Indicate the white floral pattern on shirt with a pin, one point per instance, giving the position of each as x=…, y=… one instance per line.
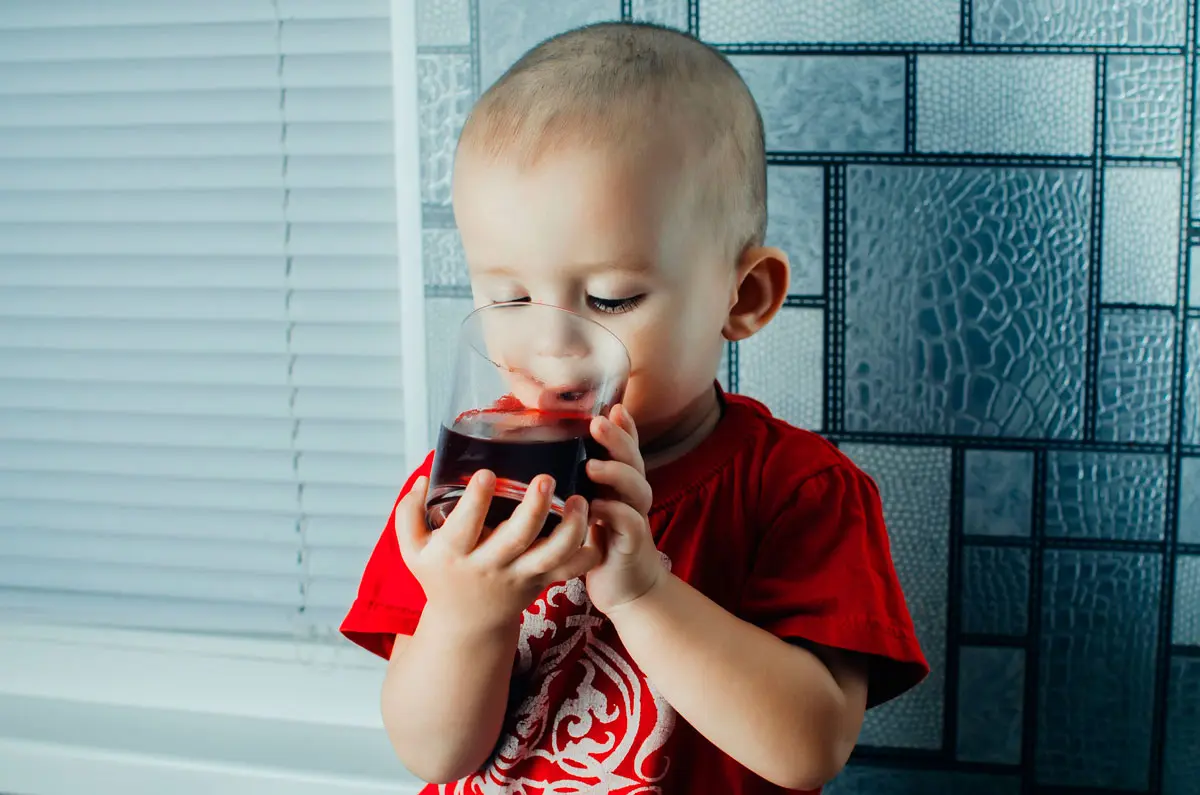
x=606, y=730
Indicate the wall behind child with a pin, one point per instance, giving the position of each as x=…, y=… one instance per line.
x=989, y=211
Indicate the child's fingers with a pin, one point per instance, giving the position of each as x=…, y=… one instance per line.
x=622, y=524
x=581, y=561
x=465, y=522
x=546, y=554
x=624, y=420
x=628, y=484
x=508, y=541
x=619, y=444
x=412, y=533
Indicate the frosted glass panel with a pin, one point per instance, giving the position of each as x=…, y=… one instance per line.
x=782, y=366
x=827, y=104
x=1015, y=105
x=1132, y=22
x=1141, y=235
x=845, y=21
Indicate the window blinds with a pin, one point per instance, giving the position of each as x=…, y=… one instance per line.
x=200, y=378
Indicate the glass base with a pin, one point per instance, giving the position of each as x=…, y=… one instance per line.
x=507, y=496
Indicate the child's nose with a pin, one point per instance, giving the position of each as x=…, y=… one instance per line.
x=561, y=336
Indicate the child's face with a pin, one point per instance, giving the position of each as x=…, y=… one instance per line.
x=606, y=236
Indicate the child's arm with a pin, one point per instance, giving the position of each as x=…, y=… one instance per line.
x=444, y=696
x=446, y=687
x=778, y=709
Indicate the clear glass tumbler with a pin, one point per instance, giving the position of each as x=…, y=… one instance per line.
x=528, y=380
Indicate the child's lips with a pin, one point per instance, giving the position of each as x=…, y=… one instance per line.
x=574, y=397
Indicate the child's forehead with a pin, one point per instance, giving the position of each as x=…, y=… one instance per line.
x=599, y=214
x=600, y=181
x=607, y=180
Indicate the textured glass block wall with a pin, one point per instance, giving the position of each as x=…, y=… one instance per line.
x=988, y=205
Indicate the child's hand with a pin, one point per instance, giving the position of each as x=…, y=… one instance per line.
x=631, y=564
x=486, y=584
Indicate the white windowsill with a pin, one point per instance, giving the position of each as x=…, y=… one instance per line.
x=155, y=712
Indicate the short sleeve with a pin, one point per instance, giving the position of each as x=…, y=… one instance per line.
x=823, y=573
x=390, y=599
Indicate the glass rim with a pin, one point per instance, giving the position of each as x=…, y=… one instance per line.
x=587, y=320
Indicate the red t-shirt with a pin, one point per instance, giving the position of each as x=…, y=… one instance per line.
x=771, y=522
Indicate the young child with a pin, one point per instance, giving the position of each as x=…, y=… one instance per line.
x=721, y=619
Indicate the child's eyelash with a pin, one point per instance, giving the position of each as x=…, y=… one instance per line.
x=614, y=306
x=609, y=306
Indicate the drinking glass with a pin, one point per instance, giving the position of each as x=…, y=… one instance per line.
x=528, y=380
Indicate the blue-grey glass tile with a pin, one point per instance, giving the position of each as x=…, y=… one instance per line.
x=784, y=366
x=796, y=223
x=966, y=300
x=445, y=262
x=1096, y=667
x=1137, y=353
x=445, y=96
x=1019, y=104
x=1189, y=501
x=443, y=316
x=1106, y=495
x=733, y=21
x=991, y=690
x=1186, y=623
x=997, y=492
x=1181, y=761
x=507, y=30
x=671, y=13
x=995, y=598
x=437, y=216
x=819, y=103
x=1191, y=387
x=1132, y=22
x=864, y=780
x=1144, y=106
x=914, y=483
x=1141, y=235
x=443, y=23
x=1195, y=149
x=1194, y=269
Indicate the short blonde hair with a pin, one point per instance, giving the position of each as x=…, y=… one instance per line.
x=612, y=85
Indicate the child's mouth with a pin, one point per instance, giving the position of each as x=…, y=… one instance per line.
x=574, y=397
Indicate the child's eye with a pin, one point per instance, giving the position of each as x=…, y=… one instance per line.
x=614, y=306
x=522, y=300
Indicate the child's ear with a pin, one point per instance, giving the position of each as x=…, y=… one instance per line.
x=762, y=284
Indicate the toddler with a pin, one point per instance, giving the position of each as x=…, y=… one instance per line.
x=721, y=616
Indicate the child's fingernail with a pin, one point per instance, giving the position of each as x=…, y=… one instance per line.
x=545, y=484
x=484, y=478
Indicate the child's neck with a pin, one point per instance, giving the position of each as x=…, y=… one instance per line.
x=695, y=424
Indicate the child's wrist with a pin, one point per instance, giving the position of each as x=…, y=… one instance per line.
x=645, y=599
x=457, y=623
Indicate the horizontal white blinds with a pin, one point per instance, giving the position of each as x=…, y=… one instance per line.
x=200, y=380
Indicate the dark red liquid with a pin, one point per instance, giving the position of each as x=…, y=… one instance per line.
x=517, y=446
